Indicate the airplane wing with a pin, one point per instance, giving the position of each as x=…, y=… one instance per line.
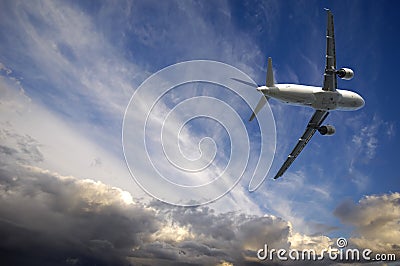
x=315, y=122
x=330, y=79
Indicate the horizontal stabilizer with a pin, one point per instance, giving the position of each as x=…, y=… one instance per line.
x=246, y=82
x=259, y=106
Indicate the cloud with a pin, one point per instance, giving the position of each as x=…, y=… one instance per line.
x=87, y=61
x=24, y=146
x=366, y=140
x=62, y=147
x=69, y=60
x=33, y=135
x=300, y=199
x=376, y=221
x=83, y=74
x=82, y=58
x=78, y=74
x=47, y=218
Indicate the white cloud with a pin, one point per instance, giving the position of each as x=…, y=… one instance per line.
x=81, y=74
x=35, y=135
x=362, y=147
x=317, y=243
x=366, y=135
x=376, y=221
x=77, y=72
x=300, y=199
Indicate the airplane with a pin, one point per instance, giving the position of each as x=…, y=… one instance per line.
x=323, y=99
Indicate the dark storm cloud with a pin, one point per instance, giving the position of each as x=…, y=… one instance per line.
x=228, y=236
x=49, y=219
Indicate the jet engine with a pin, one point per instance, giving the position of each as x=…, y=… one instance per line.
x=327, y=130
x=345, y=73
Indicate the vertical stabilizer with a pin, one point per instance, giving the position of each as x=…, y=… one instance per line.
x=270, y=74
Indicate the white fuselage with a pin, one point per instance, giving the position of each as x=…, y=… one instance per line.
x=314, y=97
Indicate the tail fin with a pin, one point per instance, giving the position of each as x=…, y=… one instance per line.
x=270, y=74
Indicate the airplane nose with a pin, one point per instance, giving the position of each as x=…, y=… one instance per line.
x=360, y=101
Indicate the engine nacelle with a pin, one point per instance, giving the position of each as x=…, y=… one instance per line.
x=327, y=130
x=345, y=73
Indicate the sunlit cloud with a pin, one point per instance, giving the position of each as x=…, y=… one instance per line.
x=375, y=220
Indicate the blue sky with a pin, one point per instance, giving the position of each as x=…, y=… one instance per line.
x=68, y=70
